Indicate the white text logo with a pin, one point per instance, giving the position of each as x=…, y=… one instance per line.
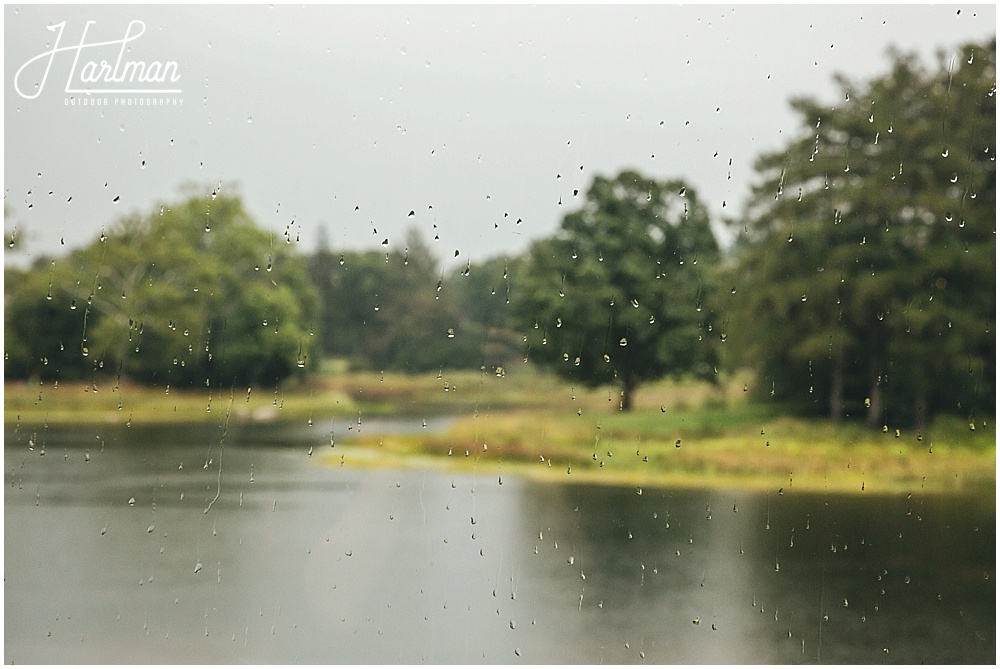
x=114, y=75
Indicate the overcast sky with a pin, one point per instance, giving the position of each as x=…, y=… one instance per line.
x=472, y=117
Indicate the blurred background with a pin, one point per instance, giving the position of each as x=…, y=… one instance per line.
x=548, y=334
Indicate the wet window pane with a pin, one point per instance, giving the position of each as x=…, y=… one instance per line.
x=499, y=334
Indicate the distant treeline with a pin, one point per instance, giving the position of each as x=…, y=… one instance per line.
x=861, y=282
x=399, y=311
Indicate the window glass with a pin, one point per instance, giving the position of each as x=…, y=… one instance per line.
x=499, y=334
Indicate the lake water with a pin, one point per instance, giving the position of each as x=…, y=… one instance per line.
x=163, y=546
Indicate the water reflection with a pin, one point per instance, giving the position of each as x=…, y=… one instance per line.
x=169, y=546
x=724, y=576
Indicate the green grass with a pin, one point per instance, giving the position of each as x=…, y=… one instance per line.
x=335, y=394
x=535, y=425
x=109, y=402
x=749, y=448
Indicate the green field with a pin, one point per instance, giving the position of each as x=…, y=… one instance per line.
x=526, y=423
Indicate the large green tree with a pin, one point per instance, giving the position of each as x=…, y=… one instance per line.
x=191, y=293
x=615, y=296
x=865, y=279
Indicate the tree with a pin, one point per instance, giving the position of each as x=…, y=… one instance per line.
x=483, y=294
x=866, y=264
x=615, y=296
x=192, y=293
x=389, y=310
x=41, y=335
x=321, y=268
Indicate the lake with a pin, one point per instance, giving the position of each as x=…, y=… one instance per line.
x=174, y=545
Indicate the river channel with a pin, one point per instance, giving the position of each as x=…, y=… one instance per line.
x=172, y=546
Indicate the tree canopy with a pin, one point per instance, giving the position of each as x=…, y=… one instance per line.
x=191, y=293
x=865, y=272
x=615, y=296
x=390, y=310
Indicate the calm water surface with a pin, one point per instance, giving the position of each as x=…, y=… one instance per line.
x=141, y=546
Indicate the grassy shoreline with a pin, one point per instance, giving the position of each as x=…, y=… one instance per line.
x=781, y=455
x=680, y=434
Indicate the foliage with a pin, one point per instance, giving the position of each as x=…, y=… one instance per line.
x=615, y=296
x=193, y=293
x=388, y=311
x=865, y=274
x=483, y=293
x=37, y=330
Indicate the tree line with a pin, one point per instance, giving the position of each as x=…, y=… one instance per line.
x=870, y=244
x=860, y=281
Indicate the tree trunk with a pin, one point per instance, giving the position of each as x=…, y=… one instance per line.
x=875, y=406
x=920, y=407
x=837, y=392
x=628, y=387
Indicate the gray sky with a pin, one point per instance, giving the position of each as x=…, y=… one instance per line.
x=471, y=116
